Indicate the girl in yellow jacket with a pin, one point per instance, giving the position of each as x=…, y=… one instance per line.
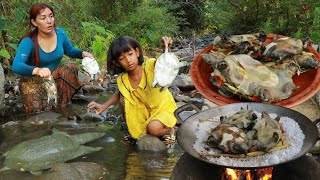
x=146, y=109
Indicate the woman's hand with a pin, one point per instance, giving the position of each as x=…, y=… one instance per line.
x=42, y=72
x=167, y=40
x=99, y=107
x=86, y=54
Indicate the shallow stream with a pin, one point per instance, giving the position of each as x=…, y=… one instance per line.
x=120, y=160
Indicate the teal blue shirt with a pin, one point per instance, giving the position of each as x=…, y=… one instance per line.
x=23, y=63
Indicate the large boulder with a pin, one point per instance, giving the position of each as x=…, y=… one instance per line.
x=148, y=142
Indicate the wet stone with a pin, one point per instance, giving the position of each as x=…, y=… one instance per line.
x=44, y=116
x=183, y=81
x=148, y=142
x=81, y=98
x=181, y=98
x=90, y=116
x=196, y=101
x=92, y=88
x=174, y=90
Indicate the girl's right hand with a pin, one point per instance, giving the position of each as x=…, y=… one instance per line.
x=167, y=40
x=99, y=107
x=42, y=72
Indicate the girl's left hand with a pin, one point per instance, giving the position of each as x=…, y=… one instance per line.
x=164, y=40
x=86, y=54
x=99, y=107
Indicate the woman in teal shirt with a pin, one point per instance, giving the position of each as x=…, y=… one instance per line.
x=39, y=57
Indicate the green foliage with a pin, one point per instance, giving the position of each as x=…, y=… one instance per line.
x=92, y=24
x=113, y=11
x=287, y=17
x=12, y=15
x=217, y=18
x=148, y=23
x=298, y=34
x=4, y=53
x=97, y=39
x=315, y=28
x=2, y=23
x=70, y=13
x=267, y=26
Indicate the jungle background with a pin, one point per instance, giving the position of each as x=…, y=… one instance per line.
x=92, y=24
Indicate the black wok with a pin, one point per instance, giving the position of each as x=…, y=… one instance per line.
x=186, y=133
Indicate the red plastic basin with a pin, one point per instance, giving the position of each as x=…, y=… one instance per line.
x=308, y=83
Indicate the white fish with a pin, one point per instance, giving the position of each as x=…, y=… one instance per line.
x=50, y=86
x=91, y=66
x=166, y=69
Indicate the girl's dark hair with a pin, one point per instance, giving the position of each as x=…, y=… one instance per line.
x=33, y=12
x=120, y=45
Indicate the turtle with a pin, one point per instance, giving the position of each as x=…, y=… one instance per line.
x=228, y=138
x=43, y=153
x=51, y=88
x=269, y=132
x=166, y=69
x=91, y=66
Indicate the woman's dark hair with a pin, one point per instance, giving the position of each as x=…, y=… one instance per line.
x=120, y=45
x=33, y=12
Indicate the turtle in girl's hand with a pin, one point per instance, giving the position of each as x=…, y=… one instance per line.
x=166, y=69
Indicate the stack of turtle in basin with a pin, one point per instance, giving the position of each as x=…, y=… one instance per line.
x=246, y=67
x=43, y=153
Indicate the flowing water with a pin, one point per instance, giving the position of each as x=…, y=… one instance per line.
x=120, y=160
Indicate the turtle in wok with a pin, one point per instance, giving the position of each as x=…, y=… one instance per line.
x=43, y=153
x=245, y=132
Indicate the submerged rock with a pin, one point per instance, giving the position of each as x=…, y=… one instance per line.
x=74, y=171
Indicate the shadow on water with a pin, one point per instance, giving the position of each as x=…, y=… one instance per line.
x=119, y=160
